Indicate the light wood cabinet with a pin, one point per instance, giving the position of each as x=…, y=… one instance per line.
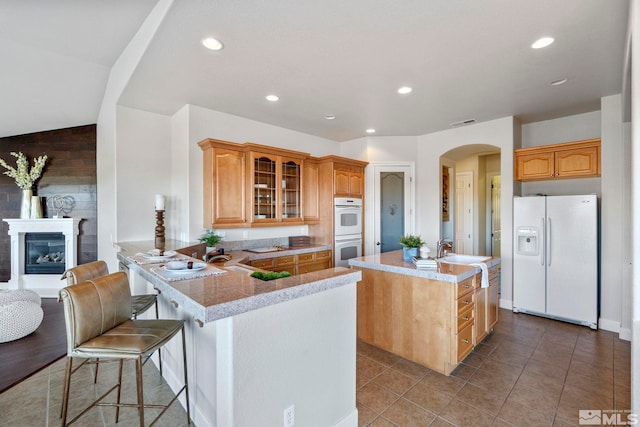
x=224, y=183
x=310, y=191
x=276, y=185
x=337, y=177
x=295, y=264
x=466, y=320
x=570, y=160
x=252, y=185
x=482, y=301
x=348, y=181
x=493, y=305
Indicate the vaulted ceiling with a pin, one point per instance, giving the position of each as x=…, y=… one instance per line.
x=464, y=59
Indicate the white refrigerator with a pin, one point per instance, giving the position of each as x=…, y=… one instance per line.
x=555, y=261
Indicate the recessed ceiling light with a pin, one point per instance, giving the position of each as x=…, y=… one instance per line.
x=404, y=89
x=371, y=130
x=330, y=117
x=542, y=42
x=213, y=44
x=558, y=82
x=272, y=98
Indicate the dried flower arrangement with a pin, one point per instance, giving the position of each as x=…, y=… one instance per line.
x=24, y=177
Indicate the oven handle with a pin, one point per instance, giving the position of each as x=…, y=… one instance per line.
x=358, y=239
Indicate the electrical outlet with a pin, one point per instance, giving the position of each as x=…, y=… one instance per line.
x=245, y=234
x=289, y=416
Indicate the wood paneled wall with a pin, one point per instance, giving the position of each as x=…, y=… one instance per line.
x=70, y=171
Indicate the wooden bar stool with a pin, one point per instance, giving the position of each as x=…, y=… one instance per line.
x=99, y=325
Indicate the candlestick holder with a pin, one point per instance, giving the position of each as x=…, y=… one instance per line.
x=160, y=230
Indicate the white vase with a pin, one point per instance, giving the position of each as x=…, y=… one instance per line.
x=36, y=207
x=25, y=206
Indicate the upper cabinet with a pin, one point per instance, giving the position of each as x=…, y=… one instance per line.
x=250, y=185
x=224, y=184
x=348, y=180
x=310, y=193
x=570, y=160
x=276, y=185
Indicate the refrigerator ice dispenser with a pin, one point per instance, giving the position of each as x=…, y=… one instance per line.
x=527, y=240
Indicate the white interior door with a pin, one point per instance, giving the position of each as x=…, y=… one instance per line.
x=390, y=187
x=464, y=213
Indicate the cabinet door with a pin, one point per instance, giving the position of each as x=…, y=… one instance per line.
x=265, y=173
x=224, y=188
x=578, y=162
x=356, y=184
x=492, y=306
x=534, y=166
x=291, y=191
x=481, y=314
x=311, y=192
x=341, y=183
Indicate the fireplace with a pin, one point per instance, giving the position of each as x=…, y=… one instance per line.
x=41, y=250
x=44, y=253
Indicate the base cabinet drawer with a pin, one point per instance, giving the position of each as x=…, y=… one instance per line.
x=308, y=268
x=265, y=264
x=465, y=341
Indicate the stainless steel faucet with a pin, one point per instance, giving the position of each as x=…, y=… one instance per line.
x=441, y=245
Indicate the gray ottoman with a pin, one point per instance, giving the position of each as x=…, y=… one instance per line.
x=20, y=314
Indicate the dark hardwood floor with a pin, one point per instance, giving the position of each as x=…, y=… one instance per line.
x=22, y=358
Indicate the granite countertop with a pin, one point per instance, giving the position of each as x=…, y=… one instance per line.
x=215, y=297
x=392, y=262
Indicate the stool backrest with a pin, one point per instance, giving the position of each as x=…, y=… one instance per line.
x=93, y=307
x=84, y=272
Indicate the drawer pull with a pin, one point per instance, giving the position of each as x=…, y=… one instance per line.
x=467, y=286
x=465, y=318
x=466, y=341
x=465, y=302
x=172, y=301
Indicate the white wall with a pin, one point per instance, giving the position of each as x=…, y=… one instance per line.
x=143, y=155
x=500, y=133
x=107, y=148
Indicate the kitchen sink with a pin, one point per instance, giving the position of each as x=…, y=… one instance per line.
x=463, y=259
x=239, y=269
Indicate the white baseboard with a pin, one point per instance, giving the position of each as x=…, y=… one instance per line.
x=350, y=420
x=506, y=303
x=625, y=334
x=609, y=325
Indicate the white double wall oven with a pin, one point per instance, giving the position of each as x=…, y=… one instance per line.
x=347, y=230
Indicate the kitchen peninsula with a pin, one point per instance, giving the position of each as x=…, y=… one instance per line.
x=431, y=316
x=256, y=348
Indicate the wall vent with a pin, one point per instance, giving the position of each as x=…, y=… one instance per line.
x=462, y=123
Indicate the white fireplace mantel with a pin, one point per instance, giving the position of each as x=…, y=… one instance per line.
x=46, y=285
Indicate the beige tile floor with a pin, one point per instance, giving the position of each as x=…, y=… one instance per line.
x=530, y=372
x=37, y=400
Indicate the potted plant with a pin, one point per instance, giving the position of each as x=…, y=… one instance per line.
x=410, y=244
x=210, y=238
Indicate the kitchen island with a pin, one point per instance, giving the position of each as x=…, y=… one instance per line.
x=433, y=316
x=256, y=348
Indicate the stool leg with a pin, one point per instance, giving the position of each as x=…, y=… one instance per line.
x=119, y=391
x=140, y=391
x=95, y=374
x=65, y=396
x=159, y=350
x=186, y=384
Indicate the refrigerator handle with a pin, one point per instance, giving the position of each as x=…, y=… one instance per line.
x=549, y=243
x=543, y=246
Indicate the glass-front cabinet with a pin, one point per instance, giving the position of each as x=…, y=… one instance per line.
x=276, y=187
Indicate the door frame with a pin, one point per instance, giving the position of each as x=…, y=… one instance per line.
x=372, y=200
